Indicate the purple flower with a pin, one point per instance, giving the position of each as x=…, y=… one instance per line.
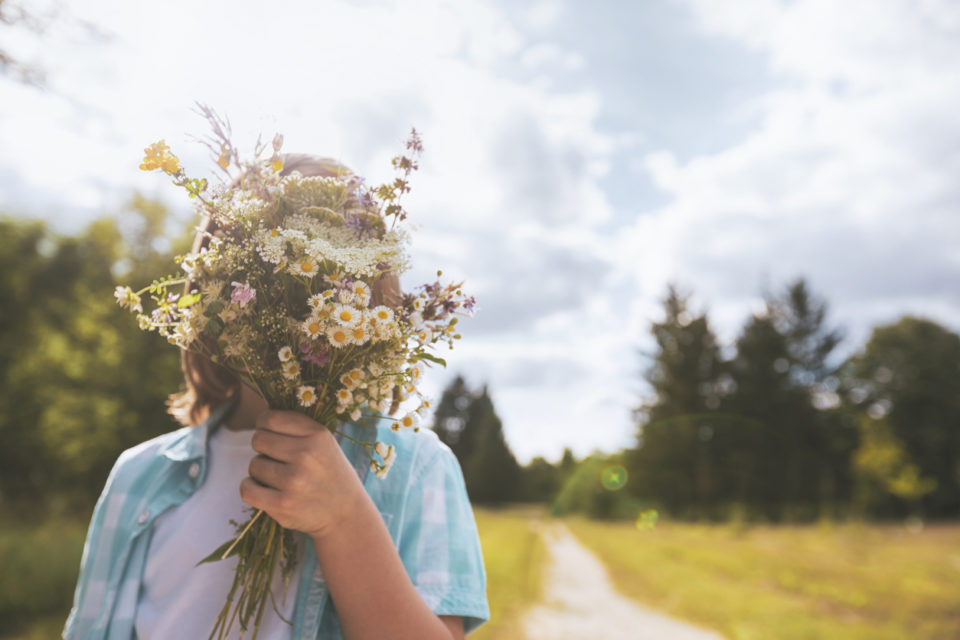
x=318, y=359
x=243, y=293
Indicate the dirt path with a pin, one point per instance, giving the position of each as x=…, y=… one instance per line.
x=581, y=604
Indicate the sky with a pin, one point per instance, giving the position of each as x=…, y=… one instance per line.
x=578, y=158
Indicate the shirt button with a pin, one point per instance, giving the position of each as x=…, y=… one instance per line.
x=143, y=516
x=194, y=470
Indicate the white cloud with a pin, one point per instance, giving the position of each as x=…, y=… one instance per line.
x=849, y=179
x=514, y=163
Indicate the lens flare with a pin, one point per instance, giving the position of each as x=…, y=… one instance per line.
x=613, y=477
x=647, y=520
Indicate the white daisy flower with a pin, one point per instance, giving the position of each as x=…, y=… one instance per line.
x=355, y=414
x=347, y=381
x=285, y=354
x=418, y=304
x=361, y=293
x=360, y=335
x=356, y=374
x=382, y=314
x=415, y=319
x=316, y=301
x=416, y=373
x=312, y=327
x=291, y=370
x=307, y=396
x=346, y=315
x=305, y=267
x=424, y=334
x=339, y=336
x=410, y=421
x=344, y=396
x=328, y=294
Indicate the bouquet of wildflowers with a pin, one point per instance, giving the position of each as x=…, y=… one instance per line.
x=281, y=295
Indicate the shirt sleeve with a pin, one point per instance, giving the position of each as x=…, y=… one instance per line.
x=93, y=567
x=439, y=545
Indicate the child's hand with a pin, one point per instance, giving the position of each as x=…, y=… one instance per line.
x=301, y=478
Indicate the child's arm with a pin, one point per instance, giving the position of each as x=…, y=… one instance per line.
x=304, y=481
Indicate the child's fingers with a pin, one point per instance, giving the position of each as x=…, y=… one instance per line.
x=290, y=423
x=258, y=496
x=269, y=472
x=276, y=445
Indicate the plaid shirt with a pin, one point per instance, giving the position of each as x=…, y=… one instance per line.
x=423, y=502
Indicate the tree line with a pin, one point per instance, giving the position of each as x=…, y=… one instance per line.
x=780, y=430
x=774, y=427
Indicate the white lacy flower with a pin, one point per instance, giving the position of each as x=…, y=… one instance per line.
x=127, y=299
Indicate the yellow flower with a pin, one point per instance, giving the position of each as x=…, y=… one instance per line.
x=158, y=156
x=224, y=159
x=277, y=165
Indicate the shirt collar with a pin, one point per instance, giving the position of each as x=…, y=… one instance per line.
x=192, y=444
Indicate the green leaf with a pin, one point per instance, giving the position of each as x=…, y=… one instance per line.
x=188, y=300
x=423, y=355
x=214, y=308
x=214, y=327
x=216, y=555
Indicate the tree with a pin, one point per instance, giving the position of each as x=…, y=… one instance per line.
x=908, y=375
x=450, y=418
x=468, y=423
x=672, y=462
x=687, y=367
x=79, y=382
x=491, y=472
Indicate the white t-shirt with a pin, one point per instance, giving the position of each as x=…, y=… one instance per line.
x=181, y=600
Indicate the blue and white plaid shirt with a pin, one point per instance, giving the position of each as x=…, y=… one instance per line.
x=423, y=502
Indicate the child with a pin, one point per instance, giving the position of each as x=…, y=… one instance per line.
x=395, y=557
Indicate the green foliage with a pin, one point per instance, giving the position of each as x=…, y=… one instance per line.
x=758, y=434
x=586, y=492
x=908, y=376
x=80, y=382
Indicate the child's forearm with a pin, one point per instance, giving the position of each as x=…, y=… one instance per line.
x=369, y=585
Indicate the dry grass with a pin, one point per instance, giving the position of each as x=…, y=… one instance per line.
x=841, y=582
x=513, y=553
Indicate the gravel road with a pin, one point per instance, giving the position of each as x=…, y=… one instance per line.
x=581, y=604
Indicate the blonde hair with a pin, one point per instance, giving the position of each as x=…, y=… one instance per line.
x=208, y=384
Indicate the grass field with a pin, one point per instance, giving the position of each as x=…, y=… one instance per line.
x=772, y=583
x=513, y=553
x=843, y=582
x=39, y=569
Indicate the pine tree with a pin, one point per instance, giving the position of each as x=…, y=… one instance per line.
x=491, y=472
x=450, y=418
x=686, y=370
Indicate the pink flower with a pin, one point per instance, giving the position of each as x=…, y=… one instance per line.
x=243, y=293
